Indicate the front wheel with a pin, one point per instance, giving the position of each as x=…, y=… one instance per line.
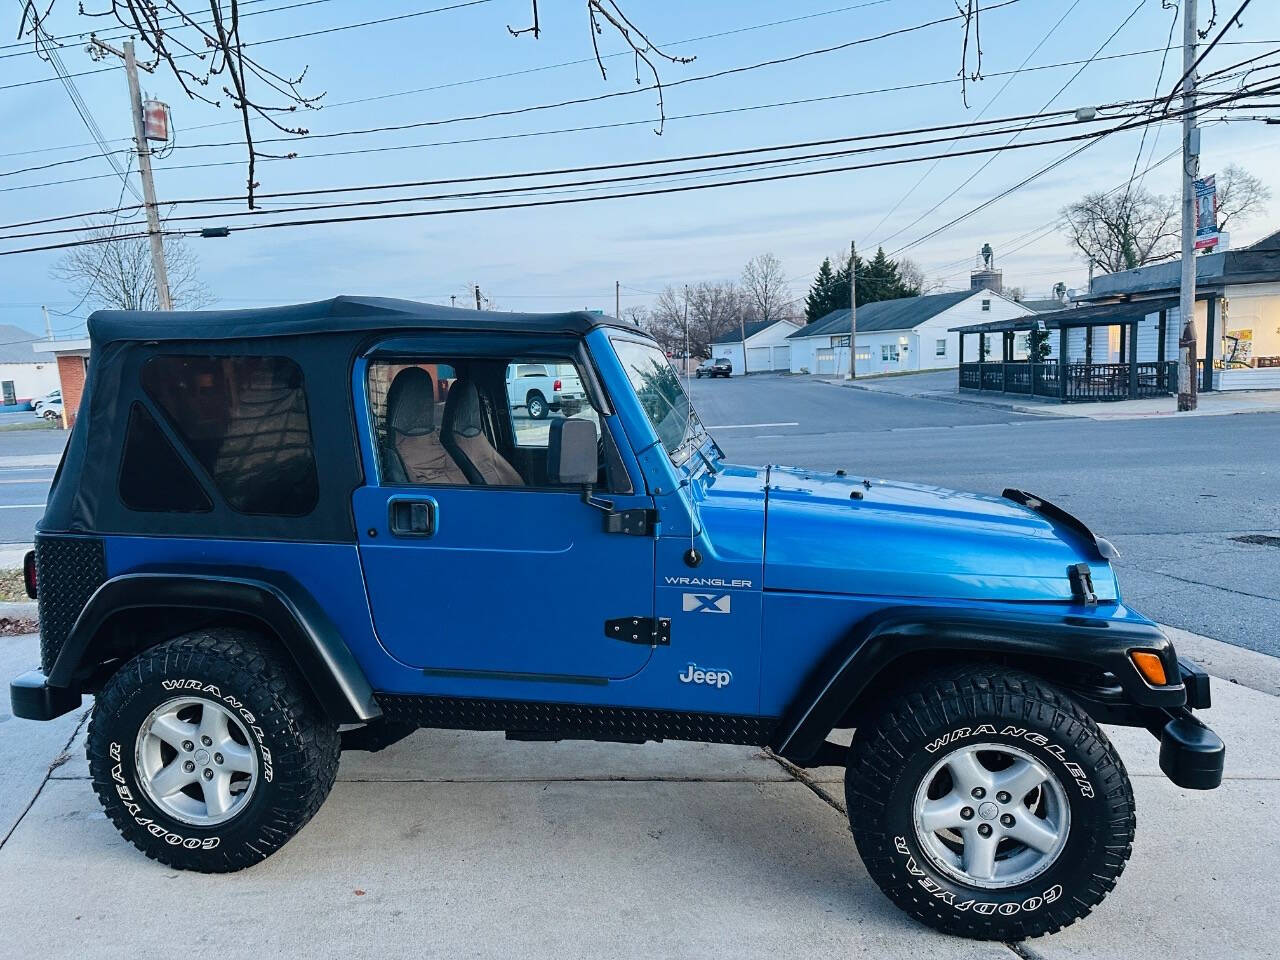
x=206, y=752
x=987, y=804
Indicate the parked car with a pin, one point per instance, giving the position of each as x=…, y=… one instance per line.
x=49, y=397
x=541, y=388
x=719, y=367
x=48, y=409
x=252, y=571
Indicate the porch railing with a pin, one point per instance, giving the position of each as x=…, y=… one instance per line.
x=1084, y=381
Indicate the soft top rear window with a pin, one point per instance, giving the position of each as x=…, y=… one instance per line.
x=245, y=420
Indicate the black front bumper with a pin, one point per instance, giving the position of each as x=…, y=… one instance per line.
x=33, y=699
x=1191, y=755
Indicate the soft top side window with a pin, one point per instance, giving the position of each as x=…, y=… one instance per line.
x=245, y=420
x=458, y=421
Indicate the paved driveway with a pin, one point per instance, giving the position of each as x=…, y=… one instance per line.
x=463, y=844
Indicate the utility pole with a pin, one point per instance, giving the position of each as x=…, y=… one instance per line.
x=853, y=313
x=148, y=185
x=742, y=332
x=477, y=296
x=48, y=327
x=617, y=300
x=1190, y=169
x=453, y=299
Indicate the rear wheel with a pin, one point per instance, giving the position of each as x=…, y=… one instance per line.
x=207, y=753
x=536, y=404
x=988, y=804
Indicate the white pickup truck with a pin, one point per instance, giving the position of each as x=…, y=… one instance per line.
x=543, y=387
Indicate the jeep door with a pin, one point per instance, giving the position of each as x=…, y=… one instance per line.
x=477, y=563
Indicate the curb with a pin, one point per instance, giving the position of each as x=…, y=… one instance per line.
x=1226, y=661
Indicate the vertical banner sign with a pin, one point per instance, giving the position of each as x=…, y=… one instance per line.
x=1206, y=213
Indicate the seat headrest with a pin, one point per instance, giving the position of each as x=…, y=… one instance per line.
x=462, y=409
x=411, y=402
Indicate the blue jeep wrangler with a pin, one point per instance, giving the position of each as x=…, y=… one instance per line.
x=279, y=533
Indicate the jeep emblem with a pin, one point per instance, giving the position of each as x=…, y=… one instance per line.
x=712, y=678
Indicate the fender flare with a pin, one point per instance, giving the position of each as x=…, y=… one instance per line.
x=880, y=639
x=308, y=636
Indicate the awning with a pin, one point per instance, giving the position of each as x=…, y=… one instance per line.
x=1099, y=315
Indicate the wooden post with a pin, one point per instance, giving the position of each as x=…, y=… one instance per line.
x=1062, y=364
x=1161, y=371
x=1133, y=360
x=1211, y=316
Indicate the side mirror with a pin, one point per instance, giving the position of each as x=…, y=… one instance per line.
x=572, y=459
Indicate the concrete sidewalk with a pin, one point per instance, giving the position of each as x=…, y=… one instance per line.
x=463, y=844
x=940, y=385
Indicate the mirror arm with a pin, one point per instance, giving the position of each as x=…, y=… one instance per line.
x=591, y=500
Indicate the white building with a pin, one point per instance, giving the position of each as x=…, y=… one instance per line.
x=911, y=333
x=766, y=345
x=24, y=376
x=1237, y=317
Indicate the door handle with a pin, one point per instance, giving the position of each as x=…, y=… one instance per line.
x=412, y=518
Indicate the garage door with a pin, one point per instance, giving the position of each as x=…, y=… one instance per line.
x=782, y=358
x=758, y=359
x=826, y=360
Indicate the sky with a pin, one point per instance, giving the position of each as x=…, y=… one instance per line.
x=458, y=62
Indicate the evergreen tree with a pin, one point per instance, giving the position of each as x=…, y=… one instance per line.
x=820, y=302
x=877, y=279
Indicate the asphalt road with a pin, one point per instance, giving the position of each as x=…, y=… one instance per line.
x=27, y=462
x=1171, y=494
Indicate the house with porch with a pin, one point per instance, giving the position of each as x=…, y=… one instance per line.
x=1120, y=341
x=1109, y=351
x=910, y=333
x=1237, y=317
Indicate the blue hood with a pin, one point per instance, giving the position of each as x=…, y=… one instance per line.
x=832, y=534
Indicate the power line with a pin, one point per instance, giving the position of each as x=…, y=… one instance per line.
x=583, y=128
x=292, y=36
x=498, y=191
x=973, y=176
x=578, y=101
x=1012, y=76
x=1234, y=18
x=21, y=48
x=1091, y=137
x=962, y=127
x=86, y=116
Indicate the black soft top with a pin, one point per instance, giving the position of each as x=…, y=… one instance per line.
x=321, y=338
x=338, y=315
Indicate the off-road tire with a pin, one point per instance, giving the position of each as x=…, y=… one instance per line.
x=297, y=748
x=895, y=748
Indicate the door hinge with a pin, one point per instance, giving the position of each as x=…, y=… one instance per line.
x=638, y=522
x=644, y=630
x=1081, y=578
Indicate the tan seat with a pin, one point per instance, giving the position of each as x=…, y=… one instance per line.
x=465, y=439
x=416, y=454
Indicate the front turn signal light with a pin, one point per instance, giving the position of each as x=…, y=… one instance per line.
x=1150, y=666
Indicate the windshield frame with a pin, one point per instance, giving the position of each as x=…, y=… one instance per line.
x=695, y=434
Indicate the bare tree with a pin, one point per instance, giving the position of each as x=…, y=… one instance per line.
x=712, y=308
x=117, y=274
x=1241, y=195
x=636, y=316
x=764, y=288
x=1120, y=231
x=913, y=276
